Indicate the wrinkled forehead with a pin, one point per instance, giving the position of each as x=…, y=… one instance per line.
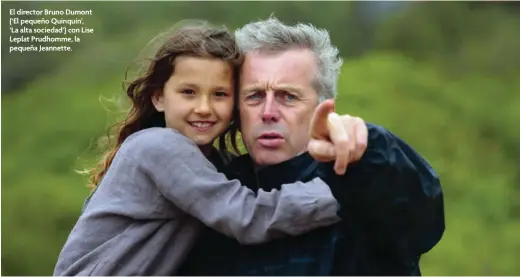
x=288, y=66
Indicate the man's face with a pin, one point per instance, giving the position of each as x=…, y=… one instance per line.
x=276, y=102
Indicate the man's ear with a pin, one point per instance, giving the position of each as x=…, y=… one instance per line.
x=158, y=101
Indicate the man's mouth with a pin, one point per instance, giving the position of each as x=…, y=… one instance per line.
x=202, y=126
x=271, y=140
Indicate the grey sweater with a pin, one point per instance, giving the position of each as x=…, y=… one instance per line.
x=147, y=211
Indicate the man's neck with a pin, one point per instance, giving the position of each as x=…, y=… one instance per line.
x=272, y=176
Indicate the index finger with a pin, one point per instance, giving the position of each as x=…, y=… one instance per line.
x=340, y=139
x=320, y=117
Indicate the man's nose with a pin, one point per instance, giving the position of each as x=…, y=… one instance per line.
x=203, y=106
x=270, y=110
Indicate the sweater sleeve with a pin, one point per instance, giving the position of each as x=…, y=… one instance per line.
x=186, y=178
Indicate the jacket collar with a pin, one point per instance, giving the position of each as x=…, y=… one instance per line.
x=270, y=177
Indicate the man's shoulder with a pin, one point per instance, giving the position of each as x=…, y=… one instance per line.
x=387, y=148
x=378, y=132
x=382, y=144
x=381, y=139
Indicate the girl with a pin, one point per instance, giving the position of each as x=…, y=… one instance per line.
x=156, y=185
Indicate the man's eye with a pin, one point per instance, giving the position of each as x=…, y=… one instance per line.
x=288, y=97
x=254, y=96
x=188, y=91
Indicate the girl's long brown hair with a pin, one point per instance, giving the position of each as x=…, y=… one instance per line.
x=193, y=38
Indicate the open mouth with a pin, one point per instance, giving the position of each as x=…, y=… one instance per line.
x=270, y=136
x=202, y=125
x=271, y=140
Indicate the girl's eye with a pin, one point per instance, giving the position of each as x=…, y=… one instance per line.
x=221, y=94
x=188, y=91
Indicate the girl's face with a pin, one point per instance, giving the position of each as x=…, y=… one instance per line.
x=198, y=98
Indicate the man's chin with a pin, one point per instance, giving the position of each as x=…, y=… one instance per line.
x=266, y=158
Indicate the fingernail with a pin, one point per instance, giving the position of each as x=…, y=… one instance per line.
x=333, y=116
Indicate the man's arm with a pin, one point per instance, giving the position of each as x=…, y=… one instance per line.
x=394, y=194
x=185, y=177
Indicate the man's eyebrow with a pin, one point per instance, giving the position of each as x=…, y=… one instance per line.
x=250, y=88
x=256, y=87
x=290, y=88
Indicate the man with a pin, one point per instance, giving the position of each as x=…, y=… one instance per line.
x=391, y=200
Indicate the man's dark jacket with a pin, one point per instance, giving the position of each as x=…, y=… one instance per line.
x=391, y=209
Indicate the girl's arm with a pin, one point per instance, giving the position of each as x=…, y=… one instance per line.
x=185, y=177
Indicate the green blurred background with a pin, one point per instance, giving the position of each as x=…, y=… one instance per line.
x=444, y=76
